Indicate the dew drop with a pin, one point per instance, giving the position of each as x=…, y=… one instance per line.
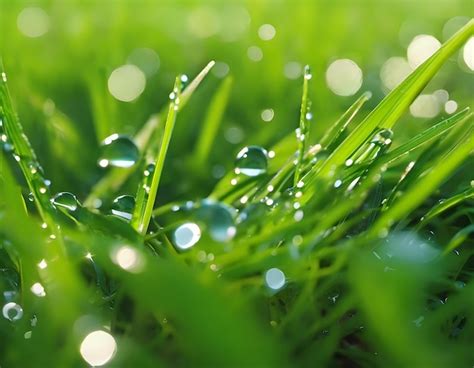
x=307, y=73
x=218, y=218
x=65, y=200
x=252, y=161
x=275, y=278
x=12, y=311
x=187, y=235
x=383, y=137
x=123, y=206
x=119, y=151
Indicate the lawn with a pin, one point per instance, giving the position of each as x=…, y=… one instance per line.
x=236, y=183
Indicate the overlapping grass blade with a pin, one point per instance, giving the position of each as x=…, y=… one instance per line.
x=149, y=135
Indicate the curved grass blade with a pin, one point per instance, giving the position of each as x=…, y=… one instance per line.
x=446, y=205
x=420, y=190
x=143, y=215
x=386, y=114
x=303, y=131
x=24, y=154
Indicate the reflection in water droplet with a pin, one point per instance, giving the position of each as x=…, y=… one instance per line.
x=252, y=161
x=42, y=265
x=98, y=348
x=12, y=311
x=275, y=278
x=218, y=218
x=123, y=206
x=65, y=200
x=118, y=150
x=186, y=235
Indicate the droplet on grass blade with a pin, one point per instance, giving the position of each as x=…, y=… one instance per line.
x=12, y=311
x=65, y=200
x=123, y=206
x=251, y=161
x=119, y=151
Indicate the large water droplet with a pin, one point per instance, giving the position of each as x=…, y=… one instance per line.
x=218, y=219
x=186, y=235
x=12, y=311
x=123, y=206
x=251, y=161
x=118, y=150
x=65, y=200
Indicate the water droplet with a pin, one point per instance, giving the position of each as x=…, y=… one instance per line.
x=65, y=200
x=252, y=161
x=123, y=206
x=307, y=73
x=275, y=278
x=218, y=218
x=187, y=235
x=149, y=170
x=12, y=311
x=4, y=77
x=119, y=151
x=383, y=137
x=98, y=348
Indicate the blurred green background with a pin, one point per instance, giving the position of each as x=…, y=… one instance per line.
x=60, y=54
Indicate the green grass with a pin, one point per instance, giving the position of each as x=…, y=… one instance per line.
x=372, y=231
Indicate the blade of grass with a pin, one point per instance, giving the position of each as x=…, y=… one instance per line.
x=386, y=114
x=24, y=154
x=303, y=130
x=143, y=139
x=143, y=217
x=422, y=188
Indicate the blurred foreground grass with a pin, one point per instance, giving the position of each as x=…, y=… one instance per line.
x=349, y=244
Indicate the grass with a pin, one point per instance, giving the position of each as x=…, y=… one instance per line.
x=372, y=230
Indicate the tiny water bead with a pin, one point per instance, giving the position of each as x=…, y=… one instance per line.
x=218, y=218
x=123, y=206
x=252, y=161
x=119, y=151
x=12, y=311
x=275, y=278
x=98, y=348
x=383, y=137
x=65, y=200
x=187, y=235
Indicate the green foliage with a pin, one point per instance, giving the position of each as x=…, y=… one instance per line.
x=340, y=251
